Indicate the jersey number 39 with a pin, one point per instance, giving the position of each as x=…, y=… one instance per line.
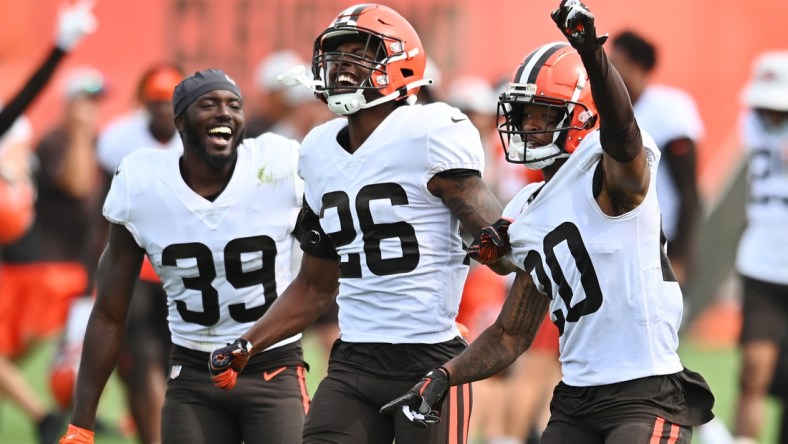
x=235, y=273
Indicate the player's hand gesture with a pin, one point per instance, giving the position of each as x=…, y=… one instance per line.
x=77, y=435
x=492, y=243
x=417, y=404
x=576, y=22
x=75, y=21
x=228, y=361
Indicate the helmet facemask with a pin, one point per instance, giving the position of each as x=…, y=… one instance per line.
x=345, y=94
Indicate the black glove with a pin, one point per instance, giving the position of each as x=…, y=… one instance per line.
x=227, y=362
x=492, y=243
x=419, y=402
x=576, y=22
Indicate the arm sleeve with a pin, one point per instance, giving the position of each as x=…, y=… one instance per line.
x=314, y=241
x=30, y=91
x=619, y=132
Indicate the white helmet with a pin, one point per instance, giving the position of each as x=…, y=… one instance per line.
x=768, y=87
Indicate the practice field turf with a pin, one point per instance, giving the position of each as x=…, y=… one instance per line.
x=719, y=366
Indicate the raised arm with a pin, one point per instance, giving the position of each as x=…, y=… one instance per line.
x=625, y=169
x=75, y=20
x=118, y=269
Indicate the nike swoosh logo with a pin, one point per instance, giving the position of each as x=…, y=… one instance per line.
x=269, y=376
x=456, y=120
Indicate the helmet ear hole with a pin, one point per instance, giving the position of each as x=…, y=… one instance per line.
x=406, y=72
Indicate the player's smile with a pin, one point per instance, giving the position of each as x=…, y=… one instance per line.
x=220, y=135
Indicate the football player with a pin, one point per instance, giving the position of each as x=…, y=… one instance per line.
x=216, y=222
x=587, y=245
x=387, y=187
x=762, y=255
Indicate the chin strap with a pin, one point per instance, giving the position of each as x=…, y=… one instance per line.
x=349, y=103
x=297, y=75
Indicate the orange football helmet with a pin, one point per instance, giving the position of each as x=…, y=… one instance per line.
x=397, y=70
x=553, y=76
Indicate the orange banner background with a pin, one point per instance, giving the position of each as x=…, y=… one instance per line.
x=705, y=46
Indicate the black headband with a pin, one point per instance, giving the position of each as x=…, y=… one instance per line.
x=199, y=83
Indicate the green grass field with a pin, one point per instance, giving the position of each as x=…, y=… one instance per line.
x=718, y=366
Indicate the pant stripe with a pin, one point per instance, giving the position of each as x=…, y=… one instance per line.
x=466, y=411
x=302, y=384
x=459, y=414
x=656, y=435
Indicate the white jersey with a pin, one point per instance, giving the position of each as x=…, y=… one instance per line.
x=763, y=247
x=613, y=296
x=127, y=134
x=403, y=265
x=224, y=262
x=668, y=114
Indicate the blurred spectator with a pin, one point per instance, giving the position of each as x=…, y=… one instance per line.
x=288, y=111
x=429, y=94
x=75, y=20
x=762, y=257
x=476, y=97
x=17, y=194
x=150, y=125
x=671, y=117
x=143, y=362
x=43, y=272
x=20, y=319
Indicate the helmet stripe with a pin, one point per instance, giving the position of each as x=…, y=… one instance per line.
x=350, y=15
x=532, y=64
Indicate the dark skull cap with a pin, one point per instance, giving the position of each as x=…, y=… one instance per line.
x=199, y=83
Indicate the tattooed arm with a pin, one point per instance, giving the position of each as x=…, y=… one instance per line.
x=512, y=333
x=471, y=201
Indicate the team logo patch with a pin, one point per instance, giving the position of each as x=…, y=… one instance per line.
x=175, y=371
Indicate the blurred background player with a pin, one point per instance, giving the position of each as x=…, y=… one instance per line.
x=762, y=257
x=287, y=111
x=143, y=363
x=431, y=93
x=25, y=316
x=50, y=266
x=671, y=117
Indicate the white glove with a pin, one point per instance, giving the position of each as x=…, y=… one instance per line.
x=75, y=21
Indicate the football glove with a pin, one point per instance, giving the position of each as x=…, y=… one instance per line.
x=75, y=21
x=227, y=362
x=492, y=243
x=417, y=404
x=77, y=435
x=576, y=22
